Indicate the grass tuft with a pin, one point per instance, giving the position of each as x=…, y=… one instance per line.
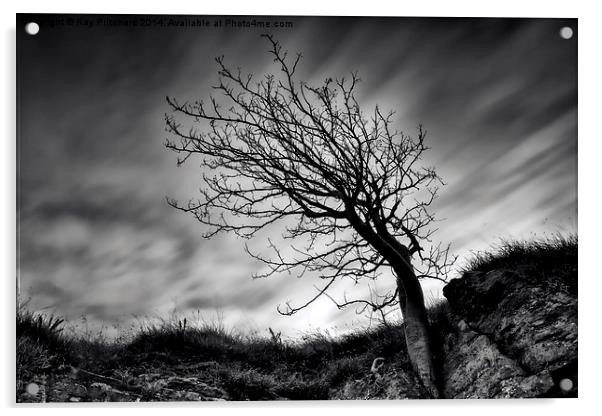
x=45, y=329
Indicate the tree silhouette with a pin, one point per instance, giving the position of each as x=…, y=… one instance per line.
x=350, y=192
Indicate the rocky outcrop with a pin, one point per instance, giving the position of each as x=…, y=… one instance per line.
x=145, y=387
x=516, y=337
x=475, y=368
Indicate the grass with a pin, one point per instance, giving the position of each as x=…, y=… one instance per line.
x=543, y=254
x=45, y=329
x=247, y=367
x=552, y=260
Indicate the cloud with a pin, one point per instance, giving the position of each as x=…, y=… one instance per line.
x=497, y=96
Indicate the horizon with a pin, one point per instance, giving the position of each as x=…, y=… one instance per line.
x=98, y=240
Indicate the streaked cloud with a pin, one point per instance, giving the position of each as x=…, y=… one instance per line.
x=497, y=96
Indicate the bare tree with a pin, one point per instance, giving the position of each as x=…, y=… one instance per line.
x=351, y=193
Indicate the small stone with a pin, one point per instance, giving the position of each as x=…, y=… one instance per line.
x=101, y=386
x=192, y=396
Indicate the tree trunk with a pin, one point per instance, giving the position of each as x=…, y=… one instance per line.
x=416, y=327
x=411, y=299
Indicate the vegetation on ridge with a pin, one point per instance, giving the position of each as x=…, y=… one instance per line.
x=552, y=259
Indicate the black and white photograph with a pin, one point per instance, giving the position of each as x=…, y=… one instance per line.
x=271, y=207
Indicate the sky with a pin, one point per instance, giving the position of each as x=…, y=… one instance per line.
x=498, y=98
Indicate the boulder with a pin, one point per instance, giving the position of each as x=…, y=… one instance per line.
x=475, y=368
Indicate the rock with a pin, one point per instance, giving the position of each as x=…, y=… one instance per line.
x=105, y=393
x=192, y=396
x=180, y=388
x=475, y=368
x=191, y=388
x=536, y=385
x=529, y=322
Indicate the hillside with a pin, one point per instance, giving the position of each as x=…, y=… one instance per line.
x=507, y=329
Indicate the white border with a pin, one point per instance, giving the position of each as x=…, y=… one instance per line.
x=590, y=137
